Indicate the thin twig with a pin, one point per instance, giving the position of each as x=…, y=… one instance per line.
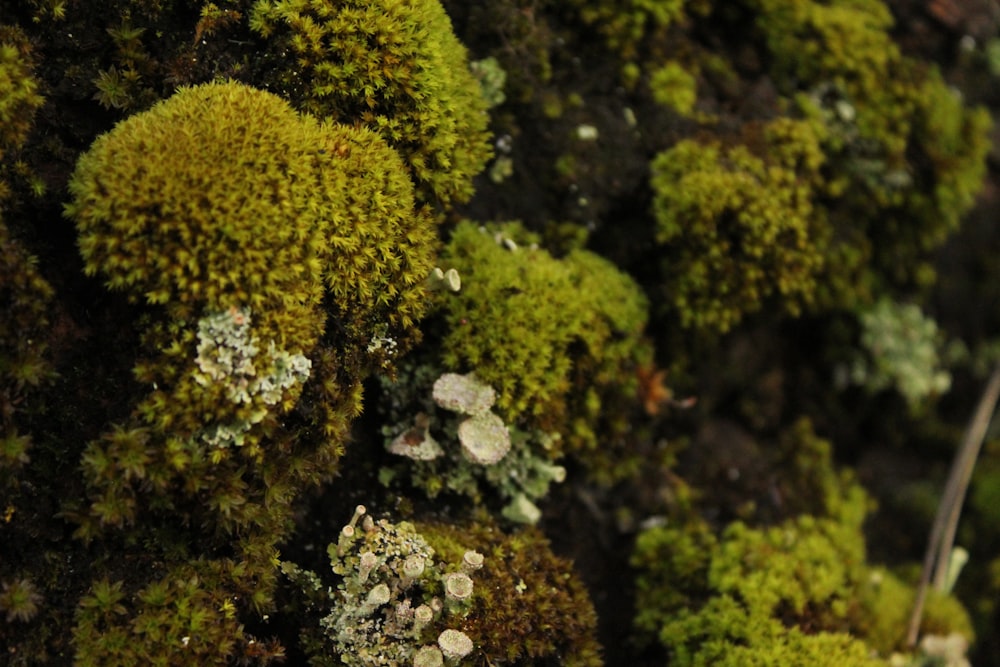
x=942, y=537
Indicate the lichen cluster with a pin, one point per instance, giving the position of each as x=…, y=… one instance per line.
x=394, y=604
x=903, y=350
x=454, y=442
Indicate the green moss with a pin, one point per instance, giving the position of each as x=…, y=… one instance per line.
x=394, y=67
x=188, y=616
x=26, y=299
x=739, y=228
x=885, y=603
x=223, y=199
x=281, y=261
x=19, y=600
x=558, y=339
x=626, y=25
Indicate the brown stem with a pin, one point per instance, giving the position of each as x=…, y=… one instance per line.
x=942, y=537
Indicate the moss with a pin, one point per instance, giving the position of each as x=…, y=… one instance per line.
x=558, y=339
x=170, y=207
x=797, y=592
x=738, y=228
x=674, y=87
x=528, y=607
x=19, y=600
x=246, y=228
x=882, y=615
x=25, y=363
x=626, y=25
x=394, y=67
x=906, y=155
x=19, y=90
x=188, y=616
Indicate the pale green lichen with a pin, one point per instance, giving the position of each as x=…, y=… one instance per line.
x=228, y=355
x=902, y=351
x=387, y=607
x=455, y=442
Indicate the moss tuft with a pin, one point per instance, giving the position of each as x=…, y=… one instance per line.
x=394, y=67
x=556, y=338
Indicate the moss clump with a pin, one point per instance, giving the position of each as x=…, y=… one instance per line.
x=19, y=600
x=796, y=592
x=528, y=606
x=187, y=616
x=223, y=199
x=906, y=156
x=19, y=97
x=394, y=67
x=24, y=364
x=556, y=338
x=738, y=228
x=626, y=25
x=278, y=258
x=674, y=87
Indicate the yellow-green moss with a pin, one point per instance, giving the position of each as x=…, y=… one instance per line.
x=674, y=87
x=393, y=66
x=799, y=592
x=738, y=228
x=223, y=198
x=626, y=25
x=557, y=338
x=281, y=260
x=187, y=616
x=19, y=97
x=905, y=155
